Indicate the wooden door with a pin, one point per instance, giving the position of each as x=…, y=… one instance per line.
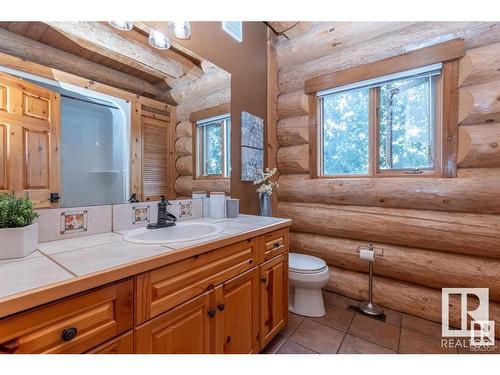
x=29, y=140
x=273, y=297
x=237, y=304
x=186, y=329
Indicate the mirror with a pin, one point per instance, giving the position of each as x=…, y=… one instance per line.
x=82, y=143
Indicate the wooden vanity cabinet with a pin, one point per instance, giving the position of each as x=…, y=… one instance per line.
x=237, y=314
x=233, y=299
x=273, y=298
x=186, y=329
x=72, y=325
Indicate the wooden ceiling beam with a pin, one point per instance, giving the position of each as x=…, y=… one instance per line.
x=290, y=29
x=31, y=50
x=101, y=39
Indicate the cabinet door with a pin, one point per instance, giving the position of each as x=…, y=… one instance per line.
x=237, y=303
x=186, y=329
x=273, y=297
x=29, y=140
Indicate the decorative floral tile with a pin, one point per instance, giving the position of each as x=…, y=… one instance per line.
x=74, y=221
x=185, y=209
x=140, y=215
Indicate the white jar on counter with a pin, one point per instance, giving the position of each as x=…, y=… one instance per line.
x=217, y=205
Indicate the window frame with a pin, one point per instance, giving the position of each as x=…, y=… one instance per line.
x=446, y=123
x=224, y=114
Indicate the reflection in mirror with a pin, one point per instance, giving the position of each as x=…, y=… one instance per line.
x=203, y=132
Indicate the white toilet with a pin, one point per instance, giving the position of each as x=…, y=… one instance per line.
x=306, y=276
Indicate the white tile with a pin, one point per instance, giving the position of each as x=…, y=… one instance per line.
x=30, y=273
x=49, y=222
x=70, y=244
x=10, y=260
x=98, y=258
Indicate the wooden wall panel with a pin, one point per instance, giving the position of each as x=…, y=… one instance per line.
x=3, y=157
x=35, y=106
x=3, y=98
x=36, y=159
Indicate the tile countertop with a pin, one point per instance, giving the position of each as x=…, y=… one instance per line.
x=52, y=269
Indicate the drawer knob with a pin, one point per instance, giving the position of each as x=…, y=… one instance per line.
x=69, y=334
x=228, y=339
x=9, y=347
x=263, y=280
x=211, y=313
x=277, y=244
x=221, y=307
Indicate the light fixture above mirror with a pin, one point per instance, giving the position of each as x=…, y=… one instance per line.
x=122, y=25
x=158, y=40
x=180, y=29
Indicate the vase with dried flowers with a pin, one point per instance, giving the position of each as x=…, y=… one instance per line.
x=267, y=185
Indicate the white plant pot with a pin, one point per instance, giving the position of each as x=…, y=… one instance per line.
x=18, y=242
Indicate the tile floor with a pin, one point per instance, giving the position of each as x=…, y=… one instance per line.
x=345, y=332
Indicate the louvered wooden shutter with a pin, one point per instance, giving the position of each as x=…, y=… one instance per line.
x=155, y=153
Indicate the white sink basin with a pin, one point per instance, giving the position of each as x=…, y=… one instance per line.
x=181, y=232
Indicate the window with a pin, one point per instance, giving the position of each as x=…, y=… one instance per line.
x=213, y=147
x=234, y=28
x=386, y=125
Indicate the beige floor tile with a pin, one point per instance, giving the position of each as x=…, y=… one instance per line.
x=375, y=331
x=336, y=317
x=393, y=317
x=355, y=345
x=415, y=343
x=317, y=337
x=294, y=321
x=422, y=326
x=290, y=347
x=274, y=345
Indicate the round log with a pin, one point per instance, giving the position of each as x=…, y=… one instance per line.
x=293, y=131
x=197, y=103
x=473, y=190
x=479, y=146
x=439, y=270
x=480, y=65
x=479, y=103
x=456, y=232
x=401, y=296
x=293, y=105
x=293, y=159
x=216, y=80
x=185, y=185
x=184, y=129
x=331, y=37
x=184, y=146
x=184, y=165
x=292, y=77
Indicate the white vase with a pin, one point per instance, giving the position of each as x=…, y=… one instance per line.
x=18, y=242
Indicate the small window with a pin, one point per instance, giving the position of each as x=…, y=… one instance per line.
x=381, y=126
x=234, y=28
x=213, y=147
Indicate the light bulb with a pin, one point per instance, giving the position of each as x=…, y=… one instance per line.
x=180, y=29
x=122, y=25
x=158, y=40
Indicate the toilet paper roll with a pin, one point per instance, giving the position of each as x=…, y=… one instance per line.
x=368, y=255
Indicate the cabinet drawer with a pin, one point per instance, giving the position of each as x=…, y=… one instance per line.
x=272, y=244
x=72, y=325
x=123, y=344
x=166, y=287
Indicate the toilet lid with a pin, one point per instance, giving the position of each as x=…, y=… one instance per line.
x=305, y=263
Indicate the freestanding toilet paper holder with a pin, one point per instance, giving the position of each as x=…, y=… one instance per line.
x=368, y=307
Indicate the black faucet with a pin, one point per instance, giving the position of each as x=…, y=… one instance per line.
x=165, y=218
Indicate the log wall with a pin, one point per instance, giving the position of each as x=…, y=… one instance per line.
x=432, y=232
x=211, y=90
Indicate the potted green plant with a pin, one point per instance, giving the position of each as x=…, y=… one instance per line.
x=18, y=233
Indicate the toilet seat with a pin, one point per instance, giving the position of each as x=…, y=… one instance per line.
x=305, y=264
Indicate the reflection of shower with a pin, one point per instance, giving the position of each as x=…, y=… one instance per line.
x=94, y=161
